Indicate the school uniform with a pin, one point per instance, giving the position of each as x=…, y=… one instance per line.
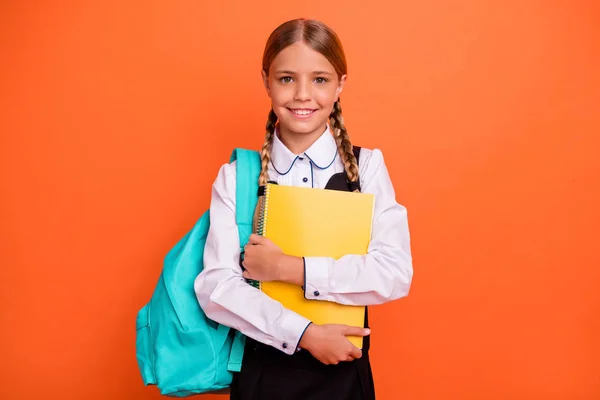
x=274, y=368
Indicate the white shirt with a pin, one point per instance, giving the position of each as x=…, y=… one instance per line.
x=382, y=275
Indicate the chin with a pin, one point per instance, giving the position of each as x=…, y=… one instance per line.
x=305, y=129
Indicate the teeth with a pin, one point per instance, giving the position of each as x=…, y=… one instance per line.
x=302, y=112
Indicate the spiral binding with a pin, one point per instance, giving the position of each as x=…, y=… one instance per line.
x=261, y=228
x=263, y=193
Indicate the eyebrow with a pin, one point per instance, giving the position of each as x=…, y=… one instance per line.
x=322, y=73
x=285, y=71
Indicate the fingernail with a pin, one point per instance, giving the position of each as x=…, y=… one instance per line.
x=367, y=331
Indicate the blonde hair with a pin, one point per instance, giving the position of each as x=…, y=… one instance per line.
x=322, y=39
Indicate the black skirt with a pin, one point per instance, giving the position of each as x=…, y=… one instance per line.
x=269, y=374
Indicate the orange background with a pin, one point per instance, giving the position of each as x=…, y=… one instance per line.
x=115, y=117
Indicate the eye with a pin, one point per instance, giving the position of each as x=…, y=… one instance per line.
x=320, y=80
x=285, y=79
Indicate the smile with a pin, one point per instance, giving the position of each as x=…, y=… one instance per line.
x=302, y=112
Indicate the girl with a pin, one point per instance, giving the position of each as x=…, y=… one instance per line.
x=286, y=356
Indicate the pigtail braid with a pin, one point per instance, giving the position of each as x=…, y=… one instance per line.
x=265, y=152
x=265, y=159
x=343, y=143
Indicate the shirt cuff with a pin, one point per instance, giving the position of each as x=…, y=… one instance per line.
x=316, y=277
x=293, y=327
x=303, y=332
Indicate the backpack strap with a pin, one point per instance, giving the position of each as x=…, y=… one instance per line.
x=236, y=355
x=247, y=170
x=356, y=152
x=355, y=185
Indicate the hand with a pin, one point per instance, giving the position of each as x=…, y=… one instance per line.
x=262, y=259
x=328, y=343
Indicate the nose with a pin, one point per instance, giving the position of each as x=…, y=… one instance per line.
x=303, y=90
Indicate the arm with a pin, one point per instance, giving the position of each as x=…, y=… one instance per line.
x=385, y=272
x=220, y=288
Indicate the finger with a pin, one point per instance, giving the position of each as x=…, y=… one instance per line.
x=356, y=352
x=356, y=331
x=255, y=239
x=246, y=274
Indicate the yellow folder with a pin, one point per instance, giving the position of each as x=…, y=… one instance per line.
x=307, y=222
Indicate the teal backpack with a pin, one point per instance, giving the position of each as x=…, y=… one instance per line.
x=178, y=348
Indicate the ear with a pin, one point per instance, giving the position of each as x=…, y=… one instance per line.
x=265, y=79
x=340, y=87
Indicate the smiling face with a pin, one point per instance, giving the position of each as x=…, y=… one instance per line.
x=303, y=86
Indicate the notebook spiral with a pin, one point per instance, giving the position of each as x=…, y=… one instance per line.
x=263, y=194
x=260, y=223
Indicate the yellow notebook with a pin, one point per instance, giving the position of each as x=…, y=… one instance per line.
x=307, y=222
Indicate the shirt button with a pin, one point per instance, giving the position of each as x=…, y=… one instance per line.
x=284, y=345
x=304, y=180
x=316, y=293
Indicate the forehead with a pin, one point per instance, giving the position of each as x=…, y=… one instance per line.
x=300, y=58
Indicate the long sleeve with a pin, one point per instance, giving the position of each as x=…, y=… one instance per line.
x=385, y=272
x=220, y=288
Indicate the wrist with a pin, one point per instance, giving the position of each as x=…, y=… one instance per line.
x=305, y=340
x=290, y=269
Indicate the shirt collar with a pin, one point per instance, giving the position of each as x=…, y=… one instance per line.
x=321, y=153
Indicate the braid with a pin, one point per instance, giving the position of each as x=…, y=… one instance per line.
x=343, y=142
x=265, y=158
x=265, y=152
